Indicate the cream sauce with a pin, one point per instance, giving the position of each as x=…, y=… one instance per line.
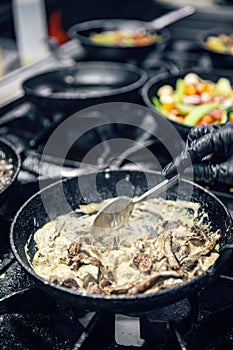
x=162, y=236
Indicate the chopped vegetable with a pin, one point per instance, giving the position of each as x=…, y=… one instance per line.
x=223, y=87
x=222, y=43
x=124, y=38
x=231, y=117
x=198, y=112
x=195, y=101
x=165, y=90
x=191, y=78
x=156, y=103
x=180, y=86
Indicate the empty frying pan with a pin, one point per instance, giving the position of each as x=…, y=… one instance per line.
x=71, y=89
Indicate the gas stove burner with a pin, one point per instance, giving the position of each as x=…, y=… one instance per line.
x=180, y=55
x=157, y=63
x=158, y=326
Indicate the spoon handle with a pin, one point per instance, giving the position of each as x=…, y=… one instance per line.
x=172, y=17
x=158, y=188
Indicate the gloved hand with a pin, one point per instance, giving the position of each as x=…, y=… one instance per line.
x=210, y=148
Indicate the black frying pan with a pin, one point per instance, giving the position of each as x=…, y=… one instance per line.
x=71, y=89
x=152, y=86
x=32, y=215
x=12, y=153
x=82, y=32
x=219, y=59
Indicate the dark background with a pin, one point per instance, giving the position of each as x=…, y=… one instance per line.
x=75, y=11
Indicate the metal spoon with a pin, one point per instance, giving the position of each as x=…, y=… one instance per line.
x=117, y=213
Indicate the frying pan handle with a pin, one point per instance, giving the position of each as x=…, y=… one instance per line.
x=172, y=17
x=173, y=69
x=15, y=114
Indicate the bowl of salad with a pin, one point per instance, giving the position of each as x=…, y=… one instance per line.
x=191, y=99
x=218, y=43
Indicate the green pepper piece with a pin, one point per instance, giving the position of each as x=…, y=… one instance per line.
x=156, y=103
x=180, y=85
x=185, y=108
x=198, y=112
x=226, y=115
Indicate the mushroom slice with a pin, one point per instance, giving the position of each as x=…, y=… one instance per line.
x=90, y=260
x=152, y=280
x=73, y=249
x=70, y=283
x=93, y=288
x=106, y=278
x=118, y=289
x=143, y=262
x=191, y=261
x=182, y=251
x=173, y=263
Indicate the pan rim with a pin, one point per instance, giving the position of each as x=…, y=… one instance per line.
x=214, y=31
x=121, y=298
x=145, y=90
x=109, y=65
x=96, y=23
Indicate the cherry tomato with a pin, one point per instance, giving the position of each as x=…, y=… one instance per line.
x=206, y=120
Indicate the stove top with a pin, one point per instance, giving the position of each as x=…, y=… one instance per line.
x=30, y=319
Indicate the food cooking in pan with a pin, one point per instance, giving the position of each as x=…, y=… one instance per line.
x=6, y=169
x=222, y=43
x=165, y=244
x=124, y=38
x=195, y=101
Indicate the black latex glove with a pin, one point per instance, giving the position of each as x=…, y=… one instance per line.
x=210, y=149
